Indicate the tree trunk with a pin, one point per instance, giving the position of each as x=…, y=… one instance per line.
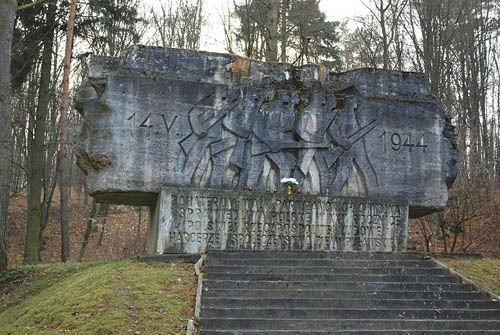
x=52, y=161
x=85, y=195
x=442, y=225
x=37, y=154
x=103, y=212
x=63, y=176
x=7, y=15
x=47, y=202
x=498, y=135
x=63, y=191
x=427, y=237
x=284, y=35
x=272, y=31
x=88, y=231
x=138, y=230
x=385, y=42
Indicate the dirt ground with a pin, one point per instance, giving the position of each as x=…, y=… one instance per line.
x=483, y=232
x=124, y=236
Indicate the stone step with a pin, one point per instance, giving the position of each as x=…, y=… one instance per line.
x=308, y=292
x=348, y=303
x=324, y=270
x=328, y=285
x=342, y=294
x=320, y=262
x=330, y=277
x=298, y=255
x=349, y=332
x=333, y=325
x=322, y=313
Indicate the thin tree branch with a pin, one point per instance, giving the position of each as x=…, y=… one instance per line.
x=28, y=5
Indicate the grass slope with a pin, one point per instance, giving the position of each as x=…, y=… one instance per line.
x=126, y=297
x=485, y=272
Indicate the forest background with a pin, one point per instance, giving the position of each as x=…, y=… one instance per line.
x=45, y=212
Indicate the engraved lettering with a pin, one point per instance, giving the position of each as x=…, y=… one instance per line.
x=147, y=123
x=165, y=123
x=214, y=220
x=400, y=141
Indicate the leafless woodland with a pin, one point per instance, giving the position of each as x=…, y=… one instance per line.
x=455, y=43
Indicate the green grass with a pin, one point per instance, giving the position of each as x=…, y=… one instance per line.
x=485, y=272
x=126, y=297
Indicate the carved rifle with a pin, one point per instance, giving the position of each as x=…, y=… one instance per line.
x=284, y=145
x=335, y=153
x=187, y=142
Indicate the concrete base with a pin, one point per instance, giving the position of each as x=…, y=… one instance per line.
x=194, y=221
x=170, y=258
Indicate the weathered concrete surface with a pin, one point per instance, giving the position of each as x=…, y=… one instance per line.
x=194, y=221
x=165, y=117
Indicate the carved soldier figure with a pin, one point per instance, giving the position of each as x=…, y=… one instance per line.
x=350, y=153
x=311, y=128
x=273, y=130
x=206, y=126
x=240, y=124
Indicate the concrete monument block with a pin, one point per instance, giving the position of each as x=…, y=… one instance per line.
x=161, y=117
x=198, y=220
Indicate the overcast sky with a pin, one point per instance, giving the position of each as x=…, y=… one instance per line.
x=213, y=35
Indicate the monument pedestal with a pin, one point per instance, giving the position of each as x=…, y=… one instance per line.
x=197, y=220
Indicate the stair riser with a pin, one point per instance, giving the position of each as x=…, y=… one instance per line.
x=342, y=294
x=318, y=262
x=348, y=304
x=280, y=313
x=330, y=278
x=353, y=285
x=324, y=270
x=347, y=324
x=296, y=255
x=352, y=332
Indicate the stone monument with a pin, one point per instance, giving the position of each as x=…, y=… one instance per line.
x=191, y=133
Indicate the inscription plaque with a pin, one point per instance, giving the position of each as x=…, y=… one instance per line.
x=197, y=220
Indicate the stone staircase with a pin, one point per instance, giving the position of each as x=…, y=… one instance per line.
x=295, y=292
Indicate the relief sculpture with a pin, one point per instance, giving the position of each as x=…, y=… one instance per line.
x=262, y=136
x=206, y=128
x=273, y=136
x=178, y=118
x=350, y=156
x=312, y=126
x=239, y=125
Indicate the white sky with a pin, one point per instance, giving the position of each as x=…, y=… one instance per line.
x=213, y=34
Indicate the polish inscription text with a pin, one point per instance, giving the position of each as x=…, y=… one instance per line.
x=216, y=220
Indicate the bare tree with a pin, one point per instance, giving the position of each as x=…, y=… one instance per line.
x=7, y=15
x=388, y=14
x=178, y=24
x=378, y=40
x=361, y=48
x=271, y=31
x=63, y=158
x=36, y=159
x=88, y=231
x=110, y=27
x=293, y=31
x=103, y=214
